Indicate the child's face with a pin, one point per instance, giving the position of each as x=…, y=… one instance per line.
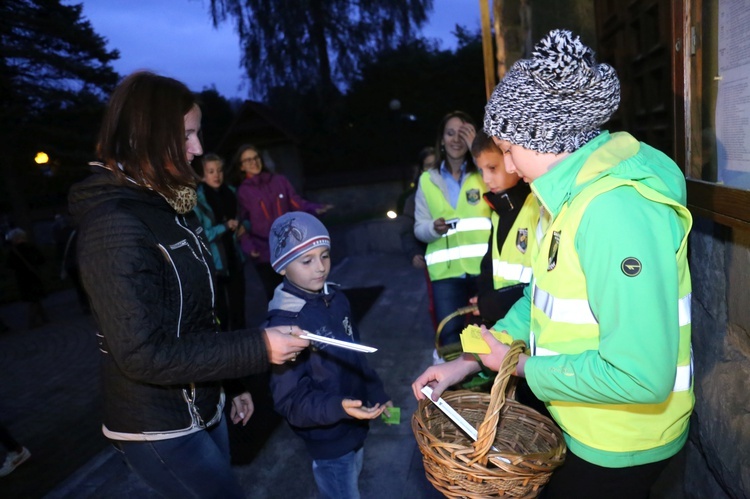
x=310, y=271
x=213, y=174
x=491, y=165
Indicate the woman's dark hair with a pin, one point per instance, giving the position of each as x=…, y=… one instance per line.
x=440, y=150
x=237, y=160
x=143, y=132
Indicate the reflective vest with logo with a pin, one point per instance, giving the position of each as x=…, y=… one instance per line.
x=512, y=265
x=459, y=251
x=562, y=323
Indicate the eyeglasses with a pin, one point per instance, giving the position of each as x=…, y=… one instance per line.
x=254, y=159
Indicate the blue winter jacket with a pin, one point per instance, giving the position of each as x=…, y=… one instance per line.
x=213, y=231
x=309, y=391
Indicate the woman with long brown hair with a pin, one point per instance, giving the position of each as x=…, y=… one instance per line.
x=148, y=272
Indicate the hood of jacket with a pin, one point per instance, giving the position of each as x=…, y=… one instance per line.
x=619, y=155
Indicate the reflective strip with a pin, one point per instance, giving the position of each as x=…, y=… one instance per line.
x=567, y=310
x=457, y=253
x=683, y=378
x=511, y=271
x=684, y=306
x=470, y=224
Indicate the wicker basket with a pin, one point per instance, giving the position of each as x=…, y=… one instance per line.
x=528, y=445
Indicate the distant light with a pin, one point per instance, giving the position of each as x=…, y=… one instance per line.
x=394, y=105
x=41, y=158
x=391, y=214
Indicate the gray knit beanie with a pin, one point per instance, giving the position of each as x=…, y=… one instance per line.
x=292, y=235
x=555, y=101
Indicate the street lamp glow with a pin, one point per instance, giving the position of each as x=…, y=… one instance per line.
x=41, y=158
x=391, y=214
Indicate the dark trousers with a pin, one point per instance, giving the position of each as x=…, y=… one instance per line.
x=230, y=299
x=195, y=465
x=582, y=480
x=448, y=296
x=7, y=440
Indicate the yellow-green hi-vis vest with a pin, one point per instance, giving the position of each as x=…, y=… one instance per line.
x=512, y=265
x=459, y=251
x=562, y=323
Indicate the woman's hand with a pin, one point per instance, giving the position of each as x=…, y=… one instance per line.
x=284, y=344
x=242, y=408
x=467, y=133
x=355, y=409
x=440, y=226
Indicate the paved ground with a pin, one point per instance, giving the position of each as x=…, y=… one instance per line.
x=49, y=399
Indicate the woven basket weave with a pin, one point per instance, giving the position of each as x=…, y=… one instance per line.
x=529, y=445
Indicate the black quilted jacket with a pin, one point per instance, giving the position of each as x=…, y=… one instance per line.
x=148, y=275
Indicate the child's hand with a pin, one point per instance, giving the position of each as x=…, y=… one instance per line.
x=387, y=406
x=473, y=301
x=355, y=409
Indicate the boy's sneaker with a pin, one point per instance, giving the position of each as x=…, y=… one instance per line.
x=13, y=460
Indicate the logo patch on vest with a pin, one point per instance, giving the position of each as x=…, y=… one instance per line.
x=522, y=240
x=473, y=196
x=553, y=247
x=631, y=266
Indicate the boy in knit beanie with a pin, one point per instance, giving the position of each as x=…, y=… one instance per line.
x=607, y=314
x=328, y=394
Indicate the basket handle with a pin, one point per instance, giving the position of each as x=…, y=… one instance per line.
x=461, y=311
x=488, y=427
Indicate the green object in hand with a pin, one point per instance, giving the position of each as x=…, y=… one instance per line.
x=395, y=416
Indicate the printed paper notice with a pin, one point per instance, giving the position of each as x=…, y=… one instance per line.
x=733, y=99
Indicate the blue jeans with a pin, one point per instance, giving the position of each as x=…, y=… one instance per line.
x=196, y=465
x=448, y=296
x=338, y=478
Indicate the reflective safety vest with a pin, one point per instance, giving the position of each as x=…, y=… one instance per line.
x=562, y=323
x=512, y=265
x=459, y=251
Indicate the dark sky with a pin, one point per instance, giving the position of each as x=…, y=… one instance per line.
x=176, y=38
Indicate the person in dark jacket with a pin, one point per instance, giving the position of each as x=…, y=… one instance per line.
x=328, y=394
x=26, y=260
x=217, y=212
x=264, y=196
x=148, y=273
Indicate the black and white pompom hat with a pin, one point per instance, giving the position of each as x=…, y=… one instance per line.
x=557, y=100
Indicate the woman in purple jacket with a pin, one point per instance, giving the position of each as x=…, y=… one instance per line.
x=263, y=197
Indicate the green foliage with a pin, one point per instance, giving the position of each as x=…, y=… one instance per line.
x=316, y=44
x=359, y=130
x=55, y=72
x=217, y=118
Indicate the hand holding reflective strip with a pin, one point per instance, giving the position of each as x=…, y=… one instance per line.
x=306, y=335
